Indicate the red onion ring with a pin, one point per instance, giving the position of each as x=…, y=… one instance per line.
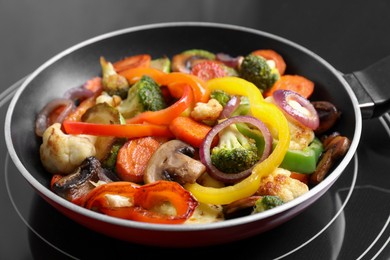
x=41, y=122
x=78, y=93
x=233, y=62
x=229, y=108
x=205, y=148
x=282, y=99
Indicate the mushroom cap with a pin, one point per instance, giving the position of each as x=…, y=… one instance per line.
x=172, y=161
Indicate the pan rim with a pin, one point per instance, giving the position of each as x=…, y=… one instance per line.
x=315, y=191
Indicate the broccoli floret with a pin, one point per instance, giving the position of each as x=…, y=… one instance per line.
x=267, y=202
x=221, y=96
x=144, y=95
x=112, y=82
x=234, y=152
x=257, y=70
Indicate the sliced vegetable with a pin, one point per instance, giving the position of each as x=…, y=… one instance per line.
x=75, y=186
x=126, y=130
x=205, y=149
x=94, y=85
x=188, y=130
x=77, y=113
x=136, y=61
x=303, y=177
x=303, y=161
x=102, y=113
x=272, y=55
x=328, y=115
x=233, y=62
x=144, y=203
x=173, y=161
x=53, y=112
x=296, y=83
x=135, y=74
x=199, y=89
x=151, y=196
x=237, y=86
x=144, y=95
x=133, y=158
x=165, y=116
x=98, y=198
x=184, y=61
x=207, y=70
x=109, y=161
x=163, y=64
x=297, y=107
x=271, y=116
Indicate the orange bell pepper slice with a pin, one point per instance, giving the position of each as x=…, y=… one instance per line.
x=198, y=86
x=134, y=74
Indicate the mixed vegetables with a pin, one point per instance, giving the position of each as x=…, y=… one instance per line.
x=196, y=138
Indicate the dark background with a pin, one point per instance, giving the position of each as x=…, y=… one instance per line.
x=349, y=34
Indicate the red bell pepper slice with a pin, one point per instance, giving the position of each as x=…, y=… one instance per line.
x=117, y=130
x=154, y=194
x=165, y=116
x=97, y=201
x=198, y=86
x=144, y=199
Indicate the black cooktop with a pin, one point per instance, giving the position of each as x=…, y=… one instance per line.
x=351, y=221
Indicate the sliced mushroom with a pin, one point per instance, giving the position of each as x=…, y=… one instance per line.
x=183, y=62
x=75, y=186
x=328, y=115
x=172, y=161
x=335, y=147
x=241, y=207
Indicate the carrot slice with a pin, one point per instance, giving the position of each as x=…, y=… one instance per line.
x=300, y=177
x=273, y=55
x=188, y=130
x=296, y=83
x=136, y=61
x=133, y=158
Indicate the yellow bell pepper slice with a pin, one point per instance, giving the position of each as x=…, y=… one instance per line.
x=270, y=115
x=236, y=86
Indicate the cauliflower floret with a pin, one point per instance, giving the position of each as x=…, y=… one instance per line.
x=300, y=136
x=279, y=183
x=207, y=111
x=206, y=213
x=111, y=100
x=61, y=153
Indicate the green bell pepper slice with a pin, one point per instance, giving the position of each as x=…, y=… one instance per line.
x=301, y=161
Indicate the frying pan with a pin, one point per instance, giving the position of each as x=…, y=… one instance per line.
x=355, y=94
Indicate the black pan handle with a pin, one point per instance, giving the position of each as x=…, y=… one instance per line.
x=372, y=88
